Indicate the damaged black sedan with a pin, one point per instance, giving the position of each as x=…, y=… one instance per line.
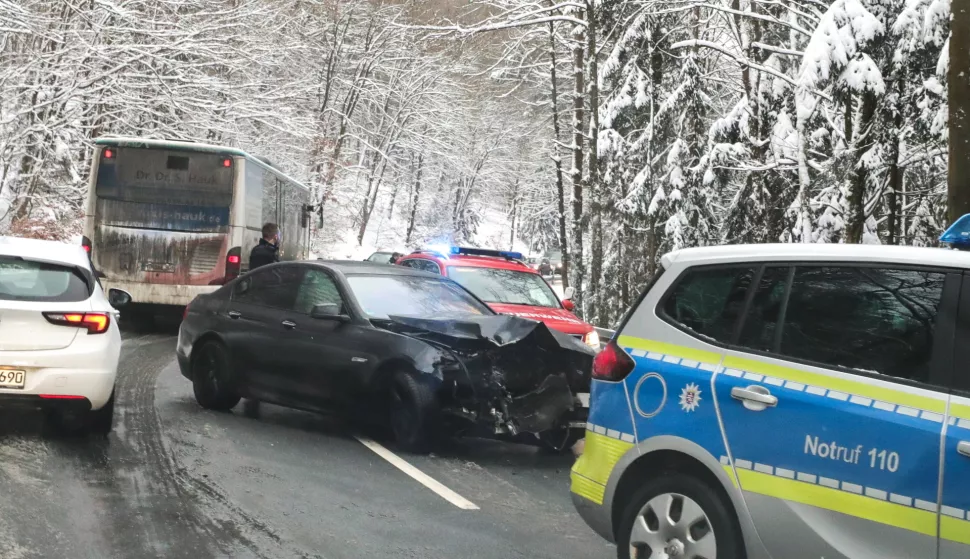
x=414, y=350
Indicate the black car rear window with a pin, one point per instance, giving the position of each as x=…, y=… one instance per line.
x=28, y=280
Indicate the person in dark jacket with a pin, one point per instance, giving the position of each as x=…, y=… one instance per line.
x=268, y=249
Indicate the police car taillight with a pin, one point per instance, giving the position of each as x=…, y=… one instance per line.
x=612, y=364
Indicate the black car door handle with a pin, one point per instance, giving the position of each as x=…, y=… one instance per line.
x=234, y=314
x=288, y=324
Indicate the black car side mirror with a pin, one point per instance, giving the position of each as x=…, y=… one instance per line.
x=329, y=311
x=118, y=298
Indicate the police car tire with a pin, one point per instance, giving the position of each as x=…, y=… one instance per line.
x=220, y=395
x=723, y=521
x=417, y=400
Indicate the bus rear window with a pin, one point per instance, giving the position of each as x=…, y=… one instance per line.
x=160, y=176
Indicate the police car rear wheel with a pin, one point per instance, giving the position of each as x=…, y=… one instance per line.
x=678, y=516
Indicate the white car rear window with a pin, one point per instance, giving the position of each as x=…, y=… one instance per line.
x=28, y=280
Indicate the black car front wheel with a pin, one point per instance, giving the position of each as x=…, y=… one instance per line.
x=560, y=440
x=412, y=413
x=212, y=377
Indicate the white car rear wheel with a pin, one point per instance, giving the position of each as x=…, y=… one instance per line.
x=100, y=421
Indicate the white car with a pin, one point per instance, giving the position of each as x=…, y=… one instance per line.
x=59, y=337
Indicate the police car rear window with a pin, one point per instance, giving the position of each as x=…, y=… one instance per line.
x=876, y=320
x=879, y=320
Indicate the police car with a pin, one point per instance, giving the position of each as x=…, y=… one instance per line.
x=786, y=401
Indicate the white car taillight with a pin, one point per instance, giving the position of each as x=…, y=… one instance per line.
x=95, y=322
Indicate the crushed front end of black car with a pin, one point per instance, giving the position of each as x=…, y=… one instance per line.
x=508, y=375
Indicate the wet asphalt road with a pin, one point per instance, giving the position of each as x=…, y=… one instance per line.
x=174, y=480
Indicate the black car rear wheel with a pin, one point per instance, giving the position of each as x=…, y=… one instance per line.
x=212, y=378
x=412, y=413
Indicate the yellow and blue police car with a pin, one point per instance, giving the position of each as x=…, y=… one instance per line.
x=786, y=401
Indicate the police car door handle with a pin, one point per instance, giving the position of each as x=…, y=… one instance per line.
x=288, y=324
x=234, y=314
x=755, y=398
x=963, y=447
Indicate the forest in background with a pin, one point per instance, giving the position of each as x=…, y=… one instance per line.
x=613, y=130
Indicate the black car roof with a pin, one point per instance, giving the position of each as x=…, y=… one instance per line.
x=374, y=268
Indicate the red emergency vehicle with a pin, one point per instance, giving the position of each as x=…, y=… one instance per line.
x=506, y=283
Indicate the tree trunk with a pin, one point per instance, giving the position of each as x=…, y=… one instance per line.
x=560, y=186
x=415, y=196
x=595, y=300
x=893, y=207
x=577, y=269
x=515, y=211
x=958, y=192
x=859, y=175
x=373, y=187
x=804, y=235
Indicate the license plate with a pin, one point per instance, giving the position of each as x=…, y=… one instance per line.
x=583, y=398
x=12, y=379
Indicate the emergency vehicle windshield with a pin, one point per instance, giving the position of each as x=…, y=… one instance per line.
x=510, y=287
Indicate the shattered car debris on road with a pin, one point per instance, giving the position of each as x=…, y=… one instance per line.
x=417, y=351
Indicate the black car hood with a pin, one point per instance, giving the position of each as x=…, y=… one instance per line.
x=486, y=332
x=520, y=367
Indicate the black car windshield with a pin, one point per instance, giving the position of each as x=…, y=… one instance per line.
x=383, y=296
x=494, y=285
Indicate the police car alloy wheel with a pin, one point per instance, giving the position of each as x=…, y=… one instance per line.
x=677, y=516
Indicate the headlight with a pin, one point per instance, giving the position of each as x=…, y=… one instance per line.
x=592, y=339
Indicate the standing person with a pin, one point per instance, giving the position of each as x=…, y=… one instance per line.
x=268, y=249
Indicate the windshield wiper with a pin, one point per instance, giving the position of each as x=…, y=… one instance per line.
x=522, y=304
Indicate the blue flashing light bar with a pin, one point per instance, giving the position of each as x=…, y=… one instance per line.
x=958, y=234
x=441, y=250
x=508, y=254
x=445, y=251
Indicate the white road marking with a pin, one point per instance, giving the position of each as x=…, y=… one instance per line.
x=419, y=476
